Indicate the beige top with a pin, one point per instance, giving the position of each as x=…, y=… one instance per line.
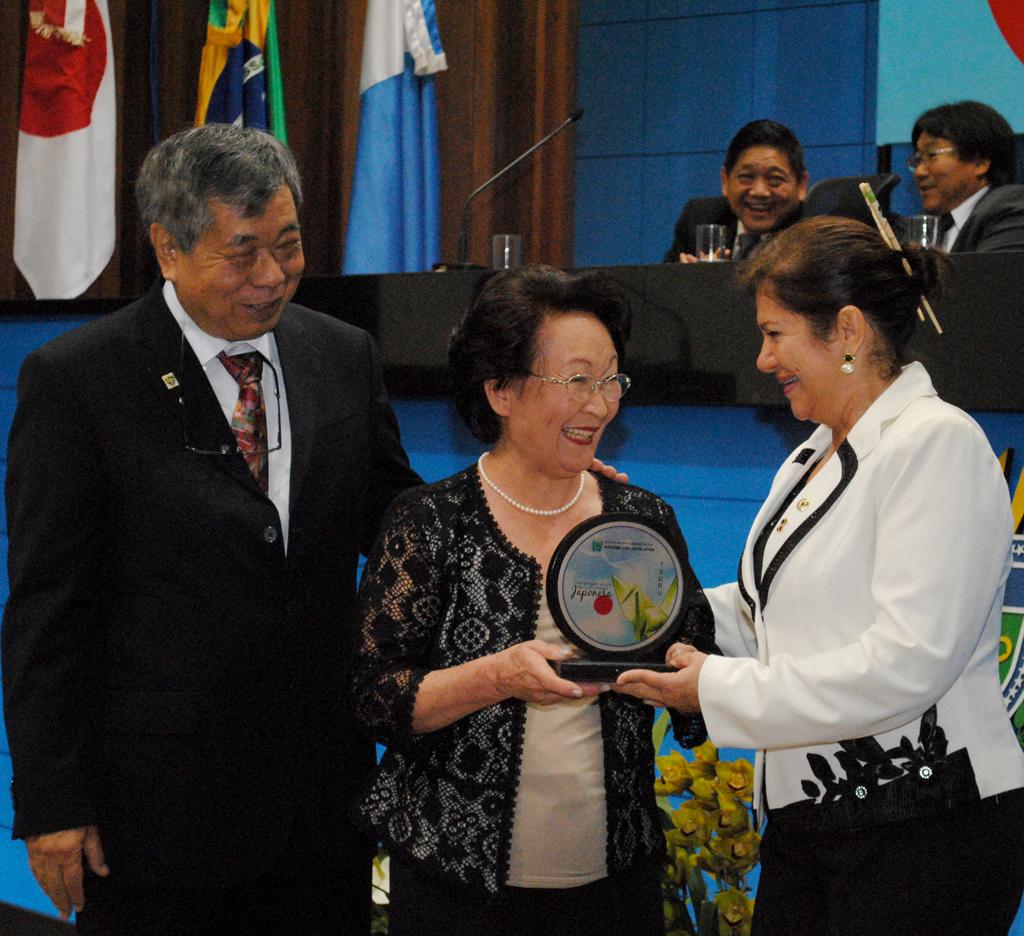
x=559, y=832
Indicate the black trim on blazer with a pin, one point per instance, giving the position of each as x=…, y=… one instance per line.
x=848, y=461
x=744, y=594
x=757, y=553
x=801, y=458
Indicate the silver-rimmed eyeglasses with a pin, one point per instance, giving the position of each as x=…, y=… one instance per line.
x=915, y=159
x=581, y=387
x=191, y=445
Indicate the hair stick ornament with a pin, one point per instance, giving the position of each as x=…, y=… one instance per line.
x=893, y=244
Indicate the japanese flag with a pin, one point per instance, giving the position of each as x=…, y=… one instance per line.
x=64, y=199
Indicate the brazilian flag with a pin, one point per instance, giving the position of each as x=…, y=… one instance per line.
x=240, y=72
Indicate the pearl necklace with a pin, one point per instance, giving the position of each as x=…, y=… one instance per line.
x=536, y=511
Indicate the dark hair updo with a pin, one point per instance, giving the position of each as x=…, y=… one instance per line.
x=819, y=265
x=497, y=337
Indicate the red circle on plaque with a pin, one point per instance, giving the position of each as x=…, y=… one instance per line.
x=1009, y=17
x=603, y=604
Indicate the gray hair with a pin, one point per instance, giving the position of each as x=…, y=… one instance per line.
x=240, y=166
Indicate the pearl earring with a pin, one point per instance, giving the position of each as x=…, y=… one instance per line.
x=848, y=361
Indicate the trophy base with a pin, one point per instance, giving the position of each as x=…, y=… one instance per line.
x=603, y=670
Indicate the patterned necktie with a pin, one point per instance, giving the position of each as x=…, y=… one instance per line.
x=249, y=421
x=747, y=245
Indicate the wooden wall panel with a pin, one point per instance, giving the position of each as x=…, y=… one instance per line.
x=511, y=79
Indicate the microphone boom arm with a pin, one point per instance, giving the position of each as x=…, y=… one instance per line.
x=464, y=232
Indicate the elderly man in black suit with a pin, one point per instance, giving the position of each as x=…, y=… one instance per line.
x=764, y=184
x=964, y=163
x=190, y=482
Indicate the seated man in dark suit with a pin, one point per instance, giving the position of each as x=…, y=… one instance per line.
x=764, y=183
x=964, y=162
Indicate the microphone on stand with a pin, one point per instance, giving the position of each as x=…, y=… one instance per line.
x=462, y=264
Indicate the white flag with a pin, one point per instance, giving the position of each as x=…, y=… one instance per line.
x=64, y=200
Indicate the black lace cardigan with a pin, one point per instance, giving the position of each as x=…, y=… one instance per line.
x=444, y=586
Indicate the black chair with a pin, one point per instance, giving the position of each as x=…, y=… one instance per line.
x=842, y=196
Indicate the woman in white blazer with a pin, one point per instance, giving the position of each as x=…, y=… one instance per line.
x=861, y=638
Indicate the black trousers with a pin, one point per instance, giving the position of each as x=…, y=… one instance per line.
x=957, y=874
x=301, y=895
x=624, y=904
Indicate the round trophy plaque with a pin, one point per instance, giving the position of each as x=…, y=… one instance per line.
x=617, y=589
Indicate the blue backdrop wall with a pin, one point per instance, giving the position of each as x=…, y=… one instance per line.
x=666, y=83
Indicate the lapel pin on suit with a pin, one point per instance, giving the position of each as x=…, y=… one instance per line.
x=170, y=381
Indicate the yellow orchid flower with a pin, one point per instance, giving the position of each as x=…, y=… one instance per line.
x=735, y=854
x=732, y=816
x=683, y=864
x=708, y=861
x=705, y=758
x=737, y=776
x=706, y=753
x=735, y=912
x=691, y=823
x=705, y=791
x=675, y=774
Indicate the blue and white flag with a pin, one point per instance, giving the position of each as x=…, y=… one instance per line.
x=394, y=219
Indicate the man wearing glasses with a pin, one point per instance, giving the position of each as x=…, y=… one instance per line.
x=964, y=162
x=764, y=184
x=190, y=483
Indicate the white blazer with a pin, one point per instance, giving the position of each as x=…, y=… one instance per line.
x=861, y=640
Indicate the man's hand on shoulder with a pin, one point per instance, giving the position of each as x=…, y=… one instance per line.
x=56, y=861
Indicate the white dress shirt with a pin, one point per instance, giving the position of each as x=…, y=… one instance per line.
x=960, y=214
x=224, y=386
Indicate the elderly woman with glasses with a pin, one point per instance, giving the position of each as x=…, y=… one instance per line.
x=509, y=794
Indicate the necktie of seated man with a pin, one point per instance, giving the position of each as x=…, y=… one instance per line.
x=249, y=421
x=747, y=244
x=945, y=225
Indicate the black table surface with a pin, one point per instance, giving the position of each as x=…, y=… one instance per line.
x=694, y=336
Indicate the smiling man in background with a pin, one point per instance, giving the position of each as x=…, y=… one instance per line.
x=964, y=163
x=764, y=184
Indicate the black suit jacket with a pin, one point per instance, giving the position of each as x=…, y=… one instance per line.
x=169, y=672
x=996, y=224
x=712, y=209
